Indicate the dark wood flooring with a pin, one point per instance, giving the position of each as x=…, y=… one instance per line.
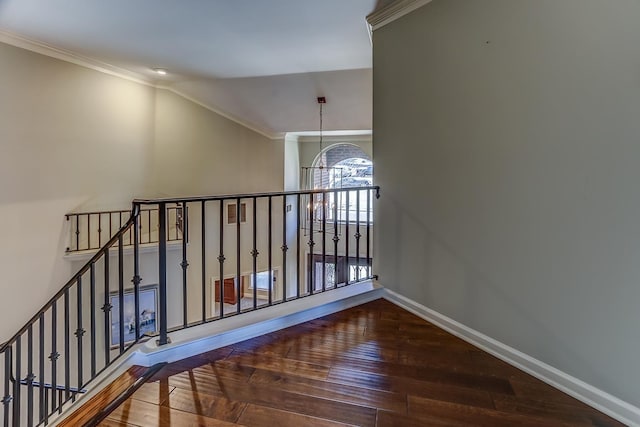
x=372, y=365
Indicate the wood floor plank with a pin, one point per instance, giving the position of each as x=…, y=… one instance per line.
x=211, y=406
x=156, y=392
x=112, y=423
x=391, y=419
x=279, y=364
x=143, y=414
x=260, y=416
x=300, y=403
x=445, y=392
x=555, y=410
x=427, y=374
x=421, y=407
x=396, y=402
x=375, y=364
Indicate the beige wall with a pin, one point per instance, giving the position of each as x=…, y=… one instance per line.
x=506, y=140
x=73, y=139
x=197, y=152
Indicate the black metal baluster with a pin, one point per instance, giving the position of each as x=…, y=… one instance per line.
x=92, y=297
x=42, y=397
x=336, y=239
x=6, y=400
x=203, y=242
x=88, y=231
x=254, y=254
x=238, y=278
x=221, y=259
x=99, y=230
x=53, y=357
x=358, y=235
x=136, y=268
x=67, y=347
x=110, y=225
x=346, y=241
x=77, y=232
x=162, y=255
x=310, y=281
x=79, y=332
x=184, y=264
x=324, y=243
x=106, y=308
x=284, y=248
x=121, y=291
x=46, y=406
x=269, y=253
x=17, y=384
x=298, y=213
x=177, y=221
x=30, y=377
x=68, y=247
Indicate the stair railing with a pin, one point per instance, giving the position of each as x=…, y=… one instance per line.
x=89, y=230
x=65, y=345
x=238, y=253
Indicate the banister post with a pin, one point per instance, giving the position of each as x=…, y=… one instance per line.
x=136, y=266
x=162, y=270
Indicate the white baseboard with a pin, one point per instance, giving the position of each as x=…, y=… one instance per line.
x=592, y=396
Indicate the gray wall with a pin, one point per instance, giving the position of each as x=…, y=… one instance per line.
x=506, y=143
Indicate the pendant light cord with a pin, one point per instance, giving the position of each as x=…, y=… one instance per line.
x=321, y=162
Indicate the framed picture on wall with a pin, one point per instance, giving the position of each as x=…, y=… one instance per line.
x=147, y=314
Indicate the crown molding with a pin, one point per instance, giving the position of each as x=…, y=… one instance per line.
x=393, y=11
x=266, y=134
x=102, y=67
x=74, y=58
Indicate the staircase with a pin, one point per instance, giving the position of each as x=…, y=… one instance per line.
x=174, y=264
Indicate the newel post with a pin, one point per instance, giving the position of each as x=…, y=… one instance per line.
x=162, y=271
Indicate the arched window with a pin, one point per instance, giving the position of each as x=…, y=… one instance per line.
x=338, y=167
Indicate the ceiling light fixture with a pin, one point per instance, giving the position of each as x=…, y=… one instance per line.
x=161, y=71
x=321, y=100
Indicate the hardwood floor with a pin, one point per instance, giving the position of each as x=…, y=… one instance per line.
x=372, y=365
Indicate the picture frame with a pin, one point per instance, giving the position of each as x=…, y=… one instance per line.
x=148, y=314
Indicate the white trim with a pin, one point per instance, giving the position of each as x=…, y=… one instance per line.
x=395, y=10
x=74, y=58
x=362, y=134
x=592, y=396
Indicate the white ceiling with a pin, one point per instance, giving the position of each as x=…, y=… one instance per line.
x=262, y=62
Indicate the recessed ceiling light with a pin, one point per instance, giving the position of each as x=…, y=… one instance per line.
x=160, y=71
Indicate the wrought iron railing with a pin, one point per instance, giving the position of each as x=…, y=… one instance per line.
x=89, y=230
x=239, y=253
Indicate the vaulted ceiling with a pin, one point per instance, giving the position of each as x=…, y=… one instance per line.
x=262, y=62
